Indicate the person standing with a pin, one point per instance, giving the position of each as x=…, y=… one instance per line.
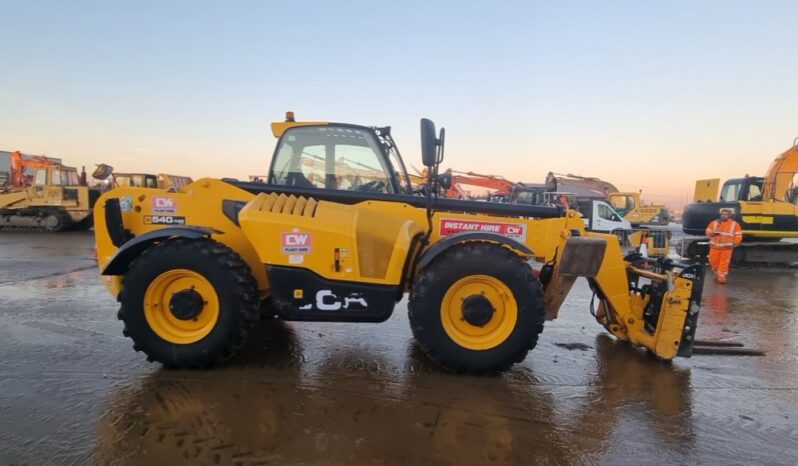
x=724, y=233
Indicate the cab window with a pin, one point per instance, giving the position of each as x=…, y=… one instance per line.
x=606, y=213
x=622, y=202
x=529, y=198
x=40, y=178
x=730, y=192
x=55, y=178
x=331, y=157
x=754, y=193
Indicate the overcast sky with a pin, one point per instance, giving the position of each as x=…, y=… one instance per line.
x=647, y=95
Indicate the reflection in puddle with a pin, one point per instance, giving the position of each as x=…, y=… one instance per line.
x=276, y=402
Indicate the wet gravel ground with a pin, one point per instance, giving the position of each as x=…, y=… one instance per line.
x=72, y=391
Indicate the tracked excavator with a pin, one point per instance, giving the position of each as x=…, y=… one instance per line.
x=58, y=199
x=194, y=269
x=766, y=208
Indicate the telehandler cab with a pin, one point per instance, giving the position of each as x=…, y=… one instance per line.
x=337, y=235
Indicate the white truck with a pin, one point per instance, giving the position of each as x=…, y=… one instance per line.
x=601, y=217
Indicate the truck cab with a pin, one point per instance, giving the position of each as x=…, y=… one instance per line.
x=601, y=217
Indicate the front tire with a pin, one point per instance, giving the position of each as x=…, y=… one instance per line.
x=478, y=308
x=188, y=303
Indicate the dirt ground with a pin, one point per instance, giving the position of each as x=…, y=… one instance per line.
x=72, y=390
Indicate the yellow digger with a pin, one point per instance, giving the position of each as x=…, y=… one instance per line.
x=56, y=201
x=193, y=269
x=766, y=208
x=631, y=207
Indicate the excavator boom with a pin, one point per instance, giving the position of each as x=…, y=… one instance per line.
x=781, y=183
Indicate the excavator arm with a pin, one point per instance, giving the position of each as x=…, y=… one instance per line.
x=501, y=186
x=780, y=180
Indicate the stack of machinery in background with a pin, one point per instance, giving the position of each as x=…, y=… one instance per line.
x=139, y=180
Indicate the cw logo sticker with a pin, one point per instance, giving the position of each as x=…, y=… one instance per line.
x=164, y=205
x=296, y=242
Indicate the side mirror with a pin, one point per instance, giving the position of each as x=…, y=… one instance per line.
x=429, y=143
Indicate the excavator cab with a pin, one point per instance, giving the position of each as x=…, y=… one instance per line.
x=135, y=180
x=742, y=189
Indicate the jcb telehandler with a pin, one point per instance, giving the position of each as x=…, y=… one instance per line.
x=193, y=269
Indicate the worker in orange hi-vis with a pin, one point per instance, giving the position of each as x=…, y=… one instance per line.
x=724, y=233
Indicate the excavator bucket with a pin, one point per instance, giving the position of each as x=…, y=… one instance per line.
x=102, y=172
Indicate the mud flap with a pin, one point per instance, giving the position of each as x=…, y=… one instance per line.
x=696, y=274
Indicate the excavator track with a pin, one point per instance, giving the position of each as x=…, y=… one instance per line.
x=35, y=221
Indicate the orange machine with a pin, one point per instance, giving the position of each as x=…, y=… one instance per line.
x=501, y=186
x=22, y=166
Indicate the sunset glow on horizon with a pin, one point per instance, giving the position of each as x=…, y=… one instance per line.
x=648, y=97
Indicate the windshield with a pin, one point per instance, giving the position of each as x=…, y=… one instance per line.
x=622, y=203
x=41, y=177
x=605, y=212
x=331, y=157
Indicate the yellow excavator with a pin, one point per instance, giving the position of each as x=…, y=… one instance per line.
x=58, y=199
x=193, y=269
x=766, y=208
x=631, y=206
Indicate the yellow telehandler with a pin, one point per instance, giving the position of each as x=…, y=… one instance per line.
x=193, y=269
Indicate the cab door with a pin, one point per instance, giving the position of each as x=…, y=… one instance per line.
x=756, y=214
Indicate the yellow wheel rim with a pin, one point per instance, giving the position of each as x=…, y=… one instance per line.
x=164, y=322
x=500, y=324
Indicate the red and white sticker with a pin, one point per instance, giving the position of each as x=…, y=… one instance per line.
x=451, y=226
x=297, y=242
x=164, y=205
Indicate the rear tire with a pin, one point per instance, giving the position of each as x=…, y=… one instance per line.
x=448, y=306
x=219, y=305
